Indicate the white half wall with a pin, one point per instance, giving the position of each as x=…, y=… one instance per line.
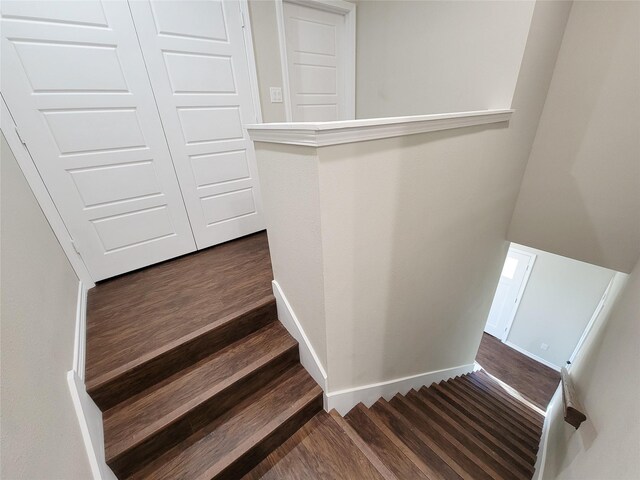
x=39, y=434
x=389, y=250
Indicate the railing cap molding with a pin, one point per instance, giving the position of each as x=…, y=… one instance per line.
x=321, y=134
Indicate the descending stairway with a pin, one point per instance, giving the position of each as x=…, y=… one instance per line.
x=194, y=375
x=465, y=428
x=197, y=379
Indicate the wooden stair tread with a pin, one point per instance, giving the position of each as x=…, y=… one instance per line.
x=363, y=447
x=465, y=464
x=495, y=416
x=144, y=415
x=521, y=415
x=320, y=449
x=482, y=450
x=474, y=428
x=130, y=316
x=421, y=449
x=482, y=377
x=506, y=415
x=392, y=456
x=215, y=448
x=487, y=422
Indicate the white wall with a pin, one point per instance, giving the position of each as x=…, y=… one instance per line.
x=267, y=53
x=40, y=435
x=417, y=57
x=605, y=375
x=289, y=185
x=412, y=232
x=560, y=298
x=580, y=197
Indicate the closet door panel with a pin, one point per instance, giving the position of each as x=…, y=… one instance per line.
x=195, y=54
x=75, y=82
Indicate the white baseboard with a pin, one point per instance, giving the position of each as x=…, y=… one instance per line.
x=532, y=356
x=80, y=340
x=88, y=413
x=549, y=417
x=90, y=420
x=345, y=400
x=308, y=357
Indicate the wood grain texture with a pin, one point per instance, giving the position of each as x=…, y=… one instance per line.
x=506, y=436
x=362, y=446
x=140, y=428
x=481, y=450
x=492, y=389
x=467, y=464
x=493, y=402
x=319, y=450
x=533, y=380
x=573, y=410
x=506, y=451
x=382, y=445
x=419, y=448
x=134, y=315
x=472, y=401
x=197, y=380
x=230, y=443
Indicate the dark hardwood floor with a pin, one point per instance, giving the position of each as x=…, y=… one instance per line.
x=533, y=380
x=465, y=428
x=142, y=315
x=197, y=379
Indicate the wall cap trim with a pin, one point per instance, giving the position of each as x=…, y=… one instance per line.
x=322, y=134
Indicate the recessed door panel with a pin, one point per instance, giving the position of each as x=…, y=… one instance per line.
x=76, y=84
x=316, y=61
x=200, y=77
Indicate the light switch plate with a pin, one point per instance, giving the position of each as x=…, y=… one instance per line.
x=276, y=94
x=544, y=346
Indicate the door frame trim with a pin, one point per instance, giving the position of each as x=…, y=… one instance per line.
x=251, y=58
x=523, y=286
x=341, y=7
x=40, y=192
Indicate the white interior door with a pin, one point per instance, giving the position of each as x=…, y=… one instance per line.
x=318, y=48
x=507, y=296
x=197, y=63
x=74, y=79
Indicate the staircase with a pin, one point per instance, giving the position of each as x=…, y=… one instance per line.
x=465, y=428
x=211, y=418
x=197, y=379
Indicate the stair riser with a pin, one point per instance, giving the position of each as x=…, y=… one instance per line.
x=255, y=455
x=145, y=452
x=505, y=415
x=131, y=382
x=496, y=428
x=494, y=415
x=534, y=417
x=494, y=444
x=498, y=403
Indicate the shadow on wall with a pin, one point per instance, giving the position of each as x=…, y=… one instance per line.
x=582, y=178
x=410, y=261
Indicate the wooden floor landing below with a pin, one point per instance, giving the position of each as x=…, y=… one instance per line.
x=532, y=379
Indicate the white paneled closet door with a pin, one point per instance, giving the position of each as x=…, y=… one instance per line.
x=196, y=57
x=76, y=84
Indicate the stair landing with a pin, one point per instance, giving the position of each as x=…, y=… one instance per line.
x=137, y=315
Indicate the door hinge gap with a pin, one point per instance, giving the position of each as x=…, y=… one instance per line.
x=20, y=137
x=75, y=246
